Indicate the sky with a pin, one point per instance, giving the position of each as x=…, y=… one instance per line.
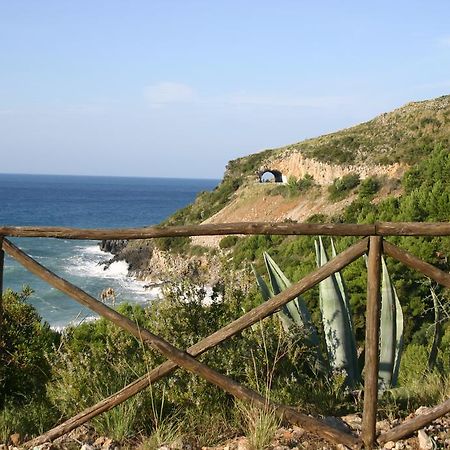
x=177, y=88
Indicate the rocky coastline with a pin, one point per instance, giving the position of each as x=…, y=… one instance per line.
x=148, y=263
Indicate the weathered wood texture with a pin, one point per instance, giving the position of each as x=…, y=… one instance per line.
x=412, y=261
x=372, y=342
x=408, y=427
x=238, y=325
x=179, y=357
x=246, y=228
x=412, y=229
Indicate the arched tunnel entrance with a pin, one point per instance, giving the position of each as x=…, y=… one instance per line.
x=270, y=176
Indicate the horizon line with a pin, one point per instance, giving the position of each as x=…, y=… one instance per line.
x=106, y=176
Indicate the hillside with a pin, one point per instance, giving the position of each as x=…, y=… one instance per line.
x=385, y=147
x=317, y=178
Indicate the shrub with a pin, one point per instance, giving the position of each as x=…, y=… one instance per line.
x=228, y=241
x=297, y=186
x=173, y=244
x=24, y=343
x=34, y=417
x=369, y=187
x=342, y=186
x=95, y=360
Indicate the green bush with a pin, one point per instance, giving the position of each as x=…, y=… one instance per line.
x=369, y=187
x=93, y=361
x=297, y=186
x=24, y=343
x=342, y=186
x=173, y=244
x=228, y=241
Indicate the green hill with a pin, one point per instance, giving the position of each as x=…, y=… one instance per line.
x=404, y=135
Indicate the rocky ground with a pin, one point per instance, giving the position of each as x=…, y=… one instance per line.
x=433, y=437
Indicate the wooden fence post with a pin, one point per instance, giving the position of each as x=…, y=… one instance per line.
x=372, y=342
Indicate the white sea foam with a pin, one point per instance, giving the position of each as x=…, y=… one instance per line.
x=90, y=263
x=116, y=269
x=74, y=323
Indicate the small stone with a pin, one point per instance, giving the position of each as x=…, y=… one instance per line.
x=287, y=435
x=3, y=447
x=297, y=432
x=44, y=446
x=107, y=444
x=15, y=439
x=383, y=425
x=421, y=410
x=99, y=441
x=341, y=447
x=353, y=421
x=87, y=447
x=242, y=444
x=389, y=445
x=425, y=442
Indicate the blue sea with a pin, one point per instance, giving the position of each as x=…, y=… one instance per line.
x=85, y=202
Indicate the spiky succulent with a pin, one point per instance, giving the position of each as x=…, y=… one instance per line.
x=337, y=322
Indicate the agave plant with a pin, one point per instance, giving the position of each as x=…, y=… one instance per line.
x=391, y=331
x=336, y=318
x=294, y=314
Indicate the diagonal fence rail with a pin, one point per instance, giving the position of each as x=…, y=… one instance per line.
x=374, y=245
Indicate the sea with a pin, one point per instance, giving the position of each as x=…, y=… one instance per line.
x=84, y=202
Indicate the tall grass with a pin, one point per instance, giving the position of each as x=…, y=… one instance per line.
x=260, y=425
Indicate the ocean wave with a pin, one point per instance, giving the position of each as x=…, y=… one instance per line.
x=73, y=323
x=91, y=264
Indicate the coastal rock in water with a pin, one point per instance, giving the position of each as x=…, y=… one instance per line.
x=113, y=246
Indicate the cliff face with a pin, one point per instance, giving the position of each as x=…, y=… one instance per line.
x=148, y=263
x=298, y=165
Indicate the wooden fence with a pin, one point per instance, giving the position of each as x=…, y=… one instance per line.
x=372, y=243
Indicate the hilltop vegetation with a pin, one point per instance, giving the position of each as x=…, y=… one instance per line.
x=404, y=135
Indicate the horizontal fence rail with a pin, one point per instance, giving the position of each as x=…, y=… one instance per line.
x=245, y=228
x=373, y=244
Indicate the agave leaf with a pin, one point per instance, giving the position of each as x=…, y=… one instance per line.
x=296, y=309
x=279, y=283
x=343, y=289
x=339, y=279
x=391, y=331
x=293, y=313
x=388, y=331
x=398, y=338
x=437, y=335
x=266, y=293
x=338, y=331
x=264, y=289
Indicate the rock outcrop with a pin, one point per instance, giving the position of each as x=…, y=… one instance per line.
x=298, y=165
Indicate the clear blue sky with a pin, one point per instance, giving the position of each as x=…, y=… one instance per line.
x=179, y=87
